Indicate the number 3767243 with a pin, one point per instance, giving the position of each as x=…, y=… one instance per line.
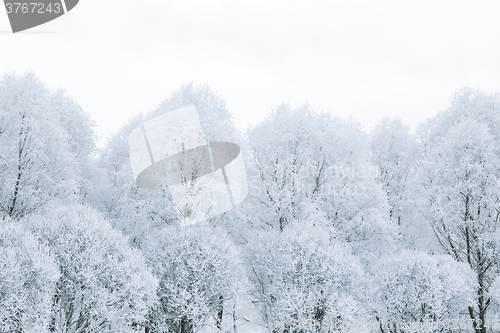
x=32, y=7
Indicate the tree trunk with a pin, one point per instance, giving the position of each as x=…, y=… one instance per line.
x=234, y=318
x=220, y=313
x=19, y=172
x=186, y=325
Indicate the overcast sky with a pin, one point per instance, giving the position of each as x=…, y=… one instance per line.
x=366, y=59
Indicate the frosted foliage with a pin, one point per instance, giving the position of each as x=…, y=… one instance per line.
x=300, y=275
x=338, y=225
x=28, y=276
x=198, y=271
x=104, y=283
x=461, y=188
x=459, y=193
x=138, y=211
x=37, y=165
x=173, y=132
x=396, y=153
x=215, y=118
x=77, y=123
x=417, y=287
x=466, y=104
x=309, y=162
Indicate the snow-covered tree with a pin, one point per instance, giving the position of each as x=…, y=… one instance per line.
x=416, y=288
x=302, y=277
x=395, y=151
x=460, y=192
x=79, y=126
x=199, y=272
x=36, y=162
x=28, y=276
x=104, y=283
x=139, y=211
x=215, y=118
x=311, y=164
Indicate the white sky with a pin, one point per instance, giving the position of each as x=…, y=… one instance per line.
x=368, y=59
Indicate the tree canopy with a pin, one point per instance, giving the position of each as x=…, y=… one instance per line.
x=340, y=225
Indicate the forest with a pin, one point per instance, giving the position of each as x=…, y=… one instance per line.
x=388, y=230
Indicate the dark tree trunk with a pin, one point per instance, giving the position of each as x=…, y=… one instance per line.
x=186, y=325
x=220, y=313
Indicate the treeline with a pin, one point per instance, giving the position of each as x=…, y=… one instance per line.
x=392, y=226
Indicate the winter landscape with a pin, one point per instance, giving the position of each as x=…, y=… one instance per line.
x=250, y=166
x=342, y=230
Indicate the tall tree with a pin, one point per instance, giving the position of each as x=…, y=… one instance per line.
x=139, y=211
x=36, y=163
x=393, y=150
x=312, y=165
x=396, y=153
x=79, y=127
x=460, y=193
